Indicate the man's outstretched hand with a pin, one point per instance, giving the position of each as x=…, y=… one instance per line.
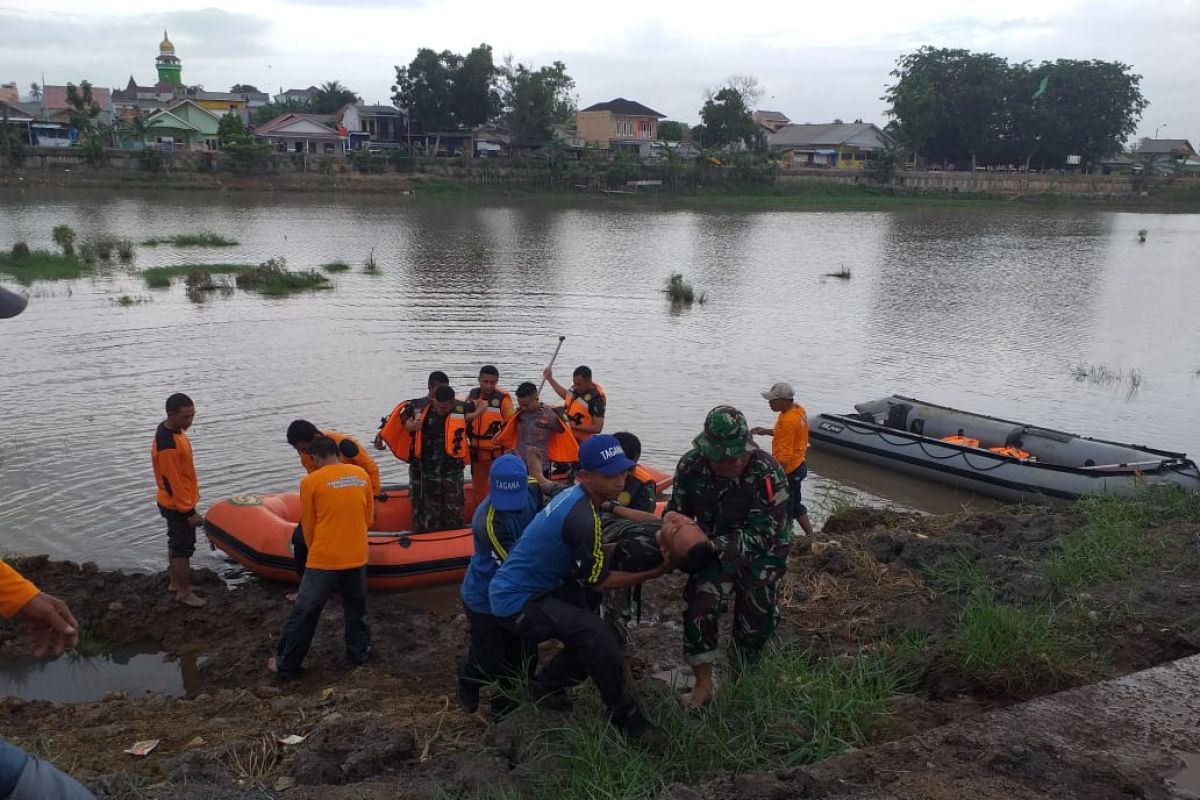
x=51, y=625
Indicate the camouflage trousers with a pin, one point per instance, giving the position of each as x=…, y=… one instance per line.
x=753, y=582
x=634, y=549
x=438, y=502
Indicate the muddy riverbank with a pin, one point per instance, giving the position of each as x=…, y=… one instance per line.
x=921, y=621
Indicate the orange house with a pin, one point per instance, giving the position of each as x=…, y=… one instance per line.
x=617, y=124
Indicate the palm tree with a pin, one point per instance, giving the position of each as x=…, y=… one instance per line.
x=35, y=90
x=331, y=96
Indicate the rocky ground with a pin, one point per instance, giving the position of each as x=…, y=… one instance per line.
x=391, y=728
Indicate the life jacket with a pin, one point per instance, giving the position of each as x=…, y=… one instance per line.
x=360, y=459
x=393, y=433
x=964, y=441
x=457, y=445
x=562, y=447
x=577, y=409
x=643, y=475
x=484, y=427
x=1011, y=452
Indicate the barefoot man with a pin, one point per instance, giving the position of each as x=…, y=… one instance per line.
x=178, y=494
x=738, y=495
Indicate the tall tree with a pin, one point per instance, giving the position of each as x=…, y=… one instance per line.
x=535, y=100
x=671, y=131
x=243, y=88
x=35, y=90
x=425, y=89
x=81, y=107
x=231, y=130
x=291, y=105
x=726, y=120
x=330, y=96
x=473, y=91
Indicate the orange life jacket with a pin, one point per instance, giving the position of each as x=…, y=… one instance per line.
x=577, y=409
x=562, y=447
x=965, y=441
x=393, y=433
x=457, y=445
x=643, y=475
x=1011, y=452
x=484, y=428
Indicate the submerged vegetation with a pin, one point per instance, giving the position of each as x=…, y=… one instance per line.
x=842, y=274
x=201, y=239
x=371, y=266
x=161, y=277
x=336, y=266
x=680, y=292
x=27, y=266
x=1104, y=375
x=273, y=278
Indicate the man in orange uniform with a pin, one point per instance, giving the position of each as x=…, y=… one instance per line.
x=583, y=404
x=178, y=494
x=789, y=445
x=300, y=435
x=336, y=511
x=495, y=406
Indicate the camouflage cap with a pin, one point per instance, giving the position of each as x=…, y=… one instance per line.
x=726, y=434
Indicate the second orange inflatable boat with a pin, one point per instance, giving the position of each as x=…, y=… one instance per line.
x=255, y=530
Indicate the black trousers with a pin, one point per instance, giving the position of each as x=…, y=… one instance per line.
x=495, y=652
x=590, y=648
x=316, y=587
x=299, y=550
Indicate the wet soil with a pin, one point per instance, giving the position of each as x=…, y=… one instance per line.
x=392, y=729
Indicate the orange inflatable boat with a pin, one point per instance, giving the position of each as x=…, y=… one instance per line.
x=255, y=530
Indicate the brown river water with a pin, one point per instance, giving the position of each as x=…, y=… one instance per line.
x=987, y=309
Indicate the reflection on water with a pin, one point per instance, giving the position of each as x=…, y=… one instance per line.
x=982, y=309
x=79, y=679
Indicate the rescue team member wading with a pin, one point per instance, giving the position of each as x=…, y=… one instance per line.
x=496, y=406
x=789, y=445
x=583, y=404
x=392, y=428
x=53, y=628
x=738, y=496
x=178, y=494
x=540, y=591
x=536, y=432
x=336, y=511
x=495, y=653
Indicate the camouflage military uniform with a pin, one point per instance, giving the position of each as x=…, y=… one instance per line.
x=438, y=504
x=747, y=517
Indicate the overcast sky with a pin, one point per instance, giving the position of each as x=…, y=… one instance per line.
x=815, y=63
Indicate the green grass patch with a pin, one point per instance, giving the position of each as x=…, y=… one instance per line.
x=273, y=278
x=201, y=239
x=42, y=265
x=336, y=266
x=792, y=707
x=1014, y=648
x=960, y=574
x=161, y=277
x=1113, y=543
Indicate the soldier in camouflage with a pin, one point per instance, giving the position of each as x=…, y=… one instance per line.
x=440, y=497
x=738, y=496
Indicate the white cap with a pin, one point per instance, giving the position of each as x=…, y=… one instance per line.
x=780, y=391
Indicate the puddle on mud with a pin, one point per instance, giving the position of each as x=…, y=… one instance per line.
x=135, y=670
x=1186, y=782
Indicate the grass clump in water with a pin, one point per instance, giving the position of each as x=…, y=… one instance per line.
x=273, y=278
x=679, y=290
x=161, y=277
x=27, y=266
x=841, y=274
x=64, y=237
x=201, y=239
x=371, y=266
x=21, y=250
x=130, y=300
x=336, y=266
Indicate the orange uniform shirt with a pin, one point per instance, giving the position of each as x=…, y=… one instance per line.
x=171, y=454
x=337, y=509
x=789, y=440
x=352, y=453
x=15, y=591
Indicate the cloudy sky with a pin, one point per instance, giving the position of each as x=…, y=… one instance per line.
x=815, y=63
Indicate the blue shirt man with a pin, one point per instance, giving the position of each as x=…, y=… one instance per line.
x=539, y=592
x=495, y=653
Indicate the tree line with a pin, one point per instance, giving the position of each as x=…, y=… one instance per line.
x=969, y=109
